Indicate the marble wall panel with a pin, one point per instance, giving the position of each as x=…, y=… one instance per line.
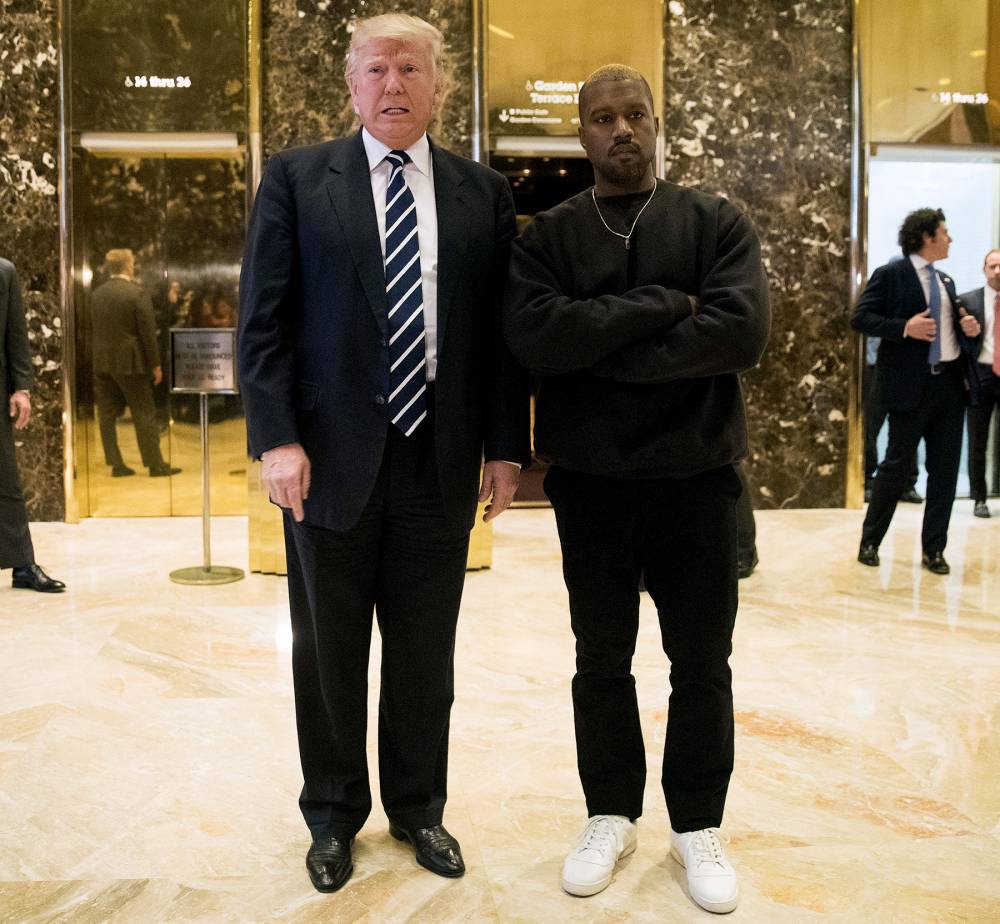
x=305, y=44
x=29, y=233
x=758, y=109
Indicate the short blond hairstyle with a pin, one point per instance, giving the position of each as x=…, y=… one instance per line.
x=400, y=26
x=119, y=260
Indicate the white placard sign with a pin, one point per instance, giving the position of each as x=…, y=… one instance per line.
x=203, y=360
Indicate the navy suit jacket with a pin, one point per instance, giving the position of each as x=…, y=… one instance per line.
x=313, y=352
x=974, y=302
x=893, y=296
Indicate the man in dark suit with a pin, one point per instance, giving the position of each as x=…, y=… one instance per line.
x=126, y=364
x=984, y=305
x=925, y=374
x=16, y=375
x=374, y=376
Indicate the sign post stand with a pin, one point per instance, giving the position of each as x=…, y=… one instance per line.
x=203, y=363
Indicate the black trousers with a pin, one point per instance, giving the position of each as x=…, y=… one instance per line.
x=407, y=562
x=112, y=392
x=938, y=420
x=15, y=540
x=979, y=430
x=682, y=534
x=875, y=414
x=746, y=525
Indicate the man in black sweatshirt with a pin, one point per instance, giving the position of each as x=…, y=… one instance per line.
x=637, y=302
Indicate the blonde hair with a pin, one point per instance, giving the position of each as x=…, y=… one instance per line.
x=119, y=260
x=400, y=26
x=610, y=73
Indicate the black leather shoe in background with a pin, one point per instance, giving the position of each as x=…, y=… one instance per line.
x=435, y=848
x=981, y=510
x=329, y=862
x=868, y=554
x=911, y=497
x=934, y=562
x=121, y=471
x=162, y=471
x=31, y=577
x=744, y=566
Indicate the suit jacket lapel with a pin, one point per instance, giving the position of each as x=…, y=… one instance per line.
x=351, y=197
x=915, y=300
x=453, y=223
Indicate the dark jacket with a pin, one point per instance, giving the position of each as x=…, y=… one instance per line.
x=16, y=373
x=893, y=296
x=973, y=301
x=124, y=329
x=313, y=351
x=633, y=384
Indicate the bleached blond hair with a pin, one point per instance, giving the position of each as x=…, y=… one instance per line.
x=119, y=260
x=399, y=26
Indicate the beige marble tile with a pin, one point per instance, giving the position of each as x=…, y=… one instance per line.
x=148, y=768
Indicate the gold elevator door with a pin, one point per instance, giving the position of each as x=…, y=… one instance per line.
x=183, y=217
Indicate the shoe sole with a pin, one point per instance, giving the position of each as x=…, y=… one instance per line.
x=715, y=907
x=25, y=585
x=585, y=889
x=400, y=835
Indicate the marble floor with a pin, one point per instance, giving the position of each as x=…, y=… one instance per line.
x=148, y=768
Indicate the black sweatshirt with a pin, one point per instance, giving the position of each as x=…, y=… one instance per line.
x=633, y=384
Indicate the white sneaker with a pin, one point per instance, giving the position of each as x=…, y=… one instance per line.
x=590, y=864
x=711, y=878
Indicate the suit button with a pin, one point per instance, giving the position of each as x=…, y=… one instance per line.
x=380, y=399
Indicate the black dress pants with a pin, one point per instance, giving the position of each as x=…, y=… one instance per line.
x=15, y=540
x=979, y=430
x=112, y=392
x=682, y=534
x=746, y=525
x=938, y=419
x=875, y=414
x=407, y=562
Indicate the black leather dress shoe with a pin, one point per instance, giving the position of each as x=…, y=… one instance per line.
x=436, y=849
x=745, y=566
x=981, y=510
x=911, y=497
x=31, y=577
x=162, y=471
x=121, y=471
x=868, y=554
x=935, y=563
x=329, y=862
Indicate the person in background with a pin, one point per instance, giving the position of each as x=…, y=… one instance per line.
x=925, y=373
x=984, y=305
x=17, y=376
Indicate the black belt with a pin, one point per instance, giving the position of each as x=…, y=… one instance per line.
x=938, y=368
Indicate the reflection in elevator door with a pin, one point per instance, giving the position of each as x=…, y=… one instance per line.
x=183, y=218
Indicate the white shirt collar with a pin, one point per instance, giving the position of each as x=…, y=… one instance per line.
x=419, y=151
x=918, y=261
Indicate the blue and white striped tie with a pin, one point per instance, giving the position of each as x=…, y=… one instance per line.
x=407, y=359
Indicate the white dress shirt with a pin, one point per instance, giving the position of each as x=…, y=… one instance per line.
x=419, y=176
x=949, y=342
x=989, y=320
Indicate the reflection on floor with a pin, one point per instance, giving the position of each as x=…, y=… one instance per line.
x=148, y=769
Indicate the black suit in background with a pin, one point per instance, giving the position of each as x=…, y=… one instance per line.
x=16, y=374
x=388, y=517
x=980, y=415
x=920, y=403
x=125, y=355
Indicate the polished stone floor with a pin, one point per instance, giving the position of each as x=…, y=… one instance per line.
x=148, y=769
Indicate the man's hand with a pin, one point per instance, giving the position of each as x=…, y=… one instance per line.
x=157, y=375
x=970, y=326
x=19, y=408
x=287, y=474
x=921, y=326
x=500, y=480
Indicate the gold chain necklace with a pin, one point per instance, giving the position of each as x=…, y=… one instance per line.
x=626, y=237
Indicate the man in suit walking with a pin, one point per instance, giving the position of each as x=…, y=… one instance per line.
x=984, y=305
x=374, y=377
x=17, y=377
x=925, y=374
x=126, y=364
